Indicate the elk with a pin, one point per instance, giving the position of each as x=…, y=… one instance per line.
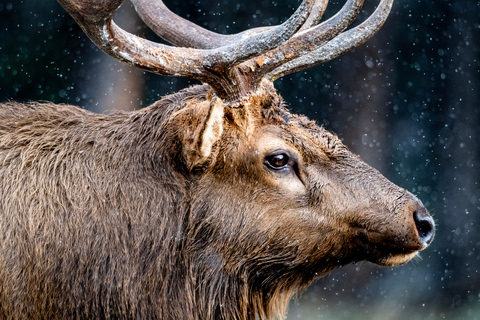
x=215, y=202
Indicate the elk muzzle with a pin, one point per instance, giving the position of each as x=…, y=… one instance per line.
x=411, y=230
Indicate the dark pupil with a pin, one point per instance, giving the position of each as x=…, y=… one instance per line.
x=278, y=160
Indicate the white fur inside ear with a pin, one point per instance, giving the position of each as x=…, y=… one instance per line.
x=213, y=128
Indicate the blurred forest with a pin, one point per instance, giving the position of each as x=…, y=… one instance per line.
x=408, y=102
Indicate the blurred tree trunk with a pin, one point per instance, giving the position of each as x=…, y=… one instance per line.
x=363, y=79
x=118, y=86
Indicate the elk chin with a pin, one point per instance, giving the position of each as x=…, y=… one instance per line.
x=390, y=255
x=396, y=260
x=386, y=257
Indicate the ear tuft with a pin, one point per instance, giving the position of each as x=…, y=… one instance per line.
x=206, y=130
x=212, y=128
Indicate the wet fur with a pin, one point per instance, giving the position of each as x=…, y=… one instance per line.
x=159, y=214
x=97, y=220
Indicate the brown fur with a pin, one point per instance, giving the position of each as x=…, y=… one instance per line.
x=122, y=216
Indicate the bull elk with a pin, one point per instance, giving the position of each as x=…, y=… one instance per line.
x=213, y=203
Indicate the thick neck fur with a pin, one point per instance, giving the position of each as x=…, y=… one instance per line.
x=110, y=238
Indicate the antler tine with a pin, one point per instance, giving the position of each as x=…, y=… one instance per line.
x=339, y=45
x=308, y=40
x=175, y=29
x=236, y=53
x=212, y=66
x=181, y=32
x=316, y=14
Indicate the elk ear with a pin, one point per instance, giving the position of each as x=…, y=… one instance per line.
x=209, y=129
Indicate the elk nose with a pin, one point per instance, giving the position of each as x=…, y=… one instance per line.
x=424, y=224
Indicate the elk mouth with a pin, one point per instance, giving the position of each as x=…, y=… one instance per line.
x=383, y=250
x=389, y=256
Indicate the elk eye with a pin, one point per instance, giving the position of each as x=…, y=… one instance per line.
x=277, y=161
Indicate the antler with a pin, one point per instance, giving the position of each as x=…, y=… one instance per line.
x=233, y=65
x=213, y=66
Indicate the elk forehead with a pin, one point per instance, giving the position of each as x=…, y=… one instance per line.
x=314, y=141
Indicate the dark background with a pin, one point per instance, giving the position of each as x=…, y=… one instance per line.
x=407, y=102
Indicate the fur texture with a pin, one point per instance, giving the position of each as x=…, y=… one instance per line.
x=169, y=213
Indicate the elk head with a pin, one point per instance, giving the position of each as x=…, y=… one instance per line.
x=277, y=199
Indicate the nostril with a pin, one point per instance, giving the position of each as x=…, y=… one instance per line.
x=425, y=227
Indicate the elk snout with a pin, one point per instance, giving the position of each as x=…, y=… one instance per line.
x=401, y=241
x=424, y=224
